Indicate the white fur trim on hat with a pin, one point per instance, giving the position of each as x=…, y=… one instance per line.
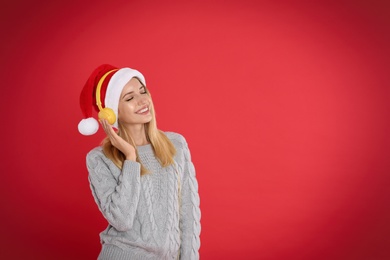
x=88, y=126
x=115, y=87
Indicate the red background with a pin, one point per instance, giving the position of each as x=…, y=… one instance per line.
x=285, y=107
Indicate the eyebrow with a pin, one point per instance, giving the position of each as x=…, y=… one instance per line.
x=127, y=94
x=142, y=86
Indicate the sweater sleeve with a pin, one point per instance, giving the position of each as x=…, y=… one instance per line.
x=190, y=211
x=117, y=199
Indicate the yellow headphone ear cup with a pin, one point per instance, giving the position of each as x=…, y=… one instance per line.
x=108, y=114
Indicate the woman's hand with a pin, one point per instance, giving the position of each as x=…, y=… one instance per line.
x=127, y=149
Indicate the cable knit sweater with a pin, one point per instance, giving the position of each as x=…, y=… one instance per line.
x=155, y=216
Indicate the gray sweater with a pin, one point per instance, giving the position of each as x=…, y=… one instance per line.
x=155, y=216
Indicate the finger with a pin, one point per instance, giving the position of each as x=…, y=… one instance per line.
x=110, y=131
x=111, y=134
x=106, y=128
x=103, y=123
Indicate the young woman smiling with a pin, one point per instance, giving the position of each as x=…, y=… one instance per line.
x=142, y=178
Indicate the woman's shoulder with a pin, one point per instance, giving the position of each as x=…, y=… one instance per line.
x=96, y=153
x=176, y=138
x=97, y=156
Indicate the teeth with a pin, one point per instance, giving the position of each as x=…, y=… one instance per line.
x=143, y=110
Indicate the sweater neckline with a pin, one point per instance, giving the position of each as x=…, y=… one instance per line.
x=147, y=148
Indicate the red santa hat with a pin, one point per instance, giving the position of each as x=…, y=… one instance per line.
x=102, y=91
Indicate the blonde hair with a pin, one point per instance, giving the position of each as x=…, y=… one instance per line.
x=163, y=148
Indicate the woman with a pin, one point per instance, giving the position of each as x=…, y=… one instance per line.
x=142, y=179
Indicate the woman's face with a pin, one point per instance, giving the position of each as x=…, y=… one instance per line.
x=134, y=104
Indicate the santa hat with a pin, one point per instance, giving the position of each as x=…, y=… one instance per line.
x=102, y=91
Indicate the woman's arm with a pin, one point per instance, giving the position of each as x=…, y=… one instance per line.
x=116, y=199
x=190, y=211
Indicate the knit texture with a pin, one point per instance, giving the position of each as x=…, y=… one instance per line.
x=147, y=217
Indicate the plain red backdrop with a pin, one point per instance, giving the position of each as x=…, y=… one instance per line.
x=285, y=107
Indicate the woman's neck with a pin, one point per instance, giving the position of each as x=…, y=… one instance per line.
x=137, y=132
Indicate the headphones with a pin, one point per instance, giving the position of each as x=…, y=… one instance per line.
x=104, y=113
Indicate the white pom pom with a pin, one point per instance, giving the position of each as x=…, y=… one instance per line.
x=88, y=126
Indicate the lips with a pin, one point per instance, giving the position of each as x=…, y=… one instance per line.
x=143, y=110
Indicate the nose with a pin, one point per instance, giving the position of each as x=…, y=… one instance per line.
x=142, y=100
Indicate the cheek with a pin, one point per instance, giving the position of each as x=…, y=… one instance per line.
x=125, y=109
x=150, y=101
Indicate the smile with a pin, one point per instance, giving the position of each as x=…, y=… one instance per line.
x=143, y=110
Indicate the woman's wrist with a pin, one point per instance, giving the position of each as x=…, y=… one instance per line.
x=131, y=157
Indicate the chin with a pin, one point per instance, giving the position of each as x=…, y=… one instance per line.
x=147, y=120
x=137, y=122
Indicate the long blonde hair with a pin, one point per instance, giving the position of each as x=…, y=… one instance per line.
x=163, y=148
